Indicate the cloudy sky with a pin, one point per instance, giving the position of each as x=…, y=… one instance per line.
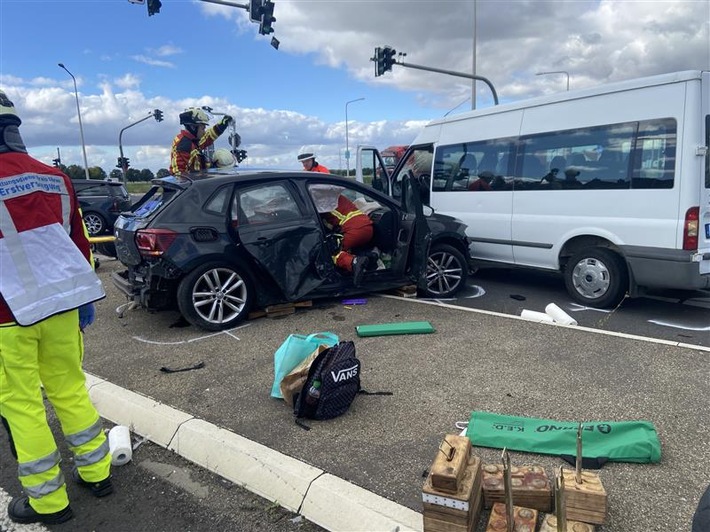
x=197, y=53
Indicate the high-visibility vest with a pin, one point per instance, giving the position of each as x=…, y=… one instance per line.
x=43, y=271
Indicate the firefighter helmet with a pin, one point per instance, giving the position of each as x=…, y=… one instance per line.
x=194, y=116
x=8, y=115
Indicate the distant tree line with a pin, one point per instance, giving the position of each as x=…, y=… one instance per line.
x=74, y=171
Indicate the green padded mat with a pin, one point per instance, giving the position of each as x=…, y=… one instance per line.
x=404, y=327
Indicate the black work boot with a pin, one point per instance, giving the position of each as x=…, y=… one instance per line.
x=359, y=267
x=20, y=511
x=98, y=489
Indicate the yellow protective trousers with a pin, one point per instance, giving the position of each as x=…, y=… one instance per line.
x=49, y=353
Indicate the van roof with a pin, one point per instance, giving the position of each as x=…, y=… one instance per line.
x=619, y=86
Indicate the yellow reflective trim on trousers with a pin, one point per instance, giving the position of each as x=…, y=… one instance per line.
x=92, y=457
x=37, y=491
x=40, y=465
x=84, y=436
x=335, y=257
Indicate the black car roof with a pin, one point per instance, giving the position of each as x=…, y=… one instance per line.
x=223, y=176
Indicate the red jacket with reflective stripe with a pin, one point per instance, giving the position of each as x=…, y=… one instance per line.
x=38, y=208
x=186, y=155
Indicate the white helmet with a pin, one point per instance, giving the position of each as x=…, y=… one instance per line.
x=223, y=158
x=306, y=153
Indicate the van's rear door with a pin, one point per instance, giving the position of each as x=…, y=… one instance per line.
x=704, y=215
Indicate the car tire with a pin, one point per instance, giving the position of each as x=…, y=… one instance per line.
x=94, y=222
x=215, y=296
x=446, y=272
x=596, y=277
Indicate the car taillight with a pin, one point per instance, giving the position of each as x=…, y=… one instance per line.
x=690, y=229
x=115, y=205
x=154, y=242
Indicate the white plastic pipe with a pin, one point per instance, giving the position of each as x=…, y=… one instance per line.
x=536, y=316
x=559, y=315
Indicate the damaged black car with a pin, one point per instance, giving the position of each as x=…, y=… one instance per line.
x=220, y=244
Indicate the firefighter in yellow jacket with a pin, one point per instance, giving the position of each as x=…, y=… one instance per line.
x=46, y=299
x=186, y=154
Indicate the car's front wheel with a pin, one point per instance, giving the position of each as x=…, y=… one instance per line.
x=95, y=224
x=215, y=296
x=446, y=271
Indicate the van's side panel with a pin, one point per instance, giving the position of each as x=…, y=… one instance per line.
x=487, y=215
x=704, y=163
x=544, y=221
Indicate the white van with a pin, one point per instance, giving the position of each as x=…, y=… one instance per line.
x=609, y=185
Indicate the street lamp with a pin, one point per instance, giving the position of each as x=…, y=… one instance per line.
x=555, y=72
x=347, y=145
x=81, y=127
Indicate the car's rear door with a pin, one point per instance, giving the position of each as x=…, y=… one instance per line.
x=281, y=235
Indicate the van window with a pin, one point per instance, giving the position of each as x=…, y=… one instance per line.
x=474, y=166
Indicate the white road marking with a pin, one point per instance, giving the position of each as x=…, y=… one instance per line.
x=9, y=526
x=206, y=337
x=679, y=325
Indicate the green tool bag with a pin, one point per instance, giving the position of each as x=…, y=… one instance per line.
x=616, y=441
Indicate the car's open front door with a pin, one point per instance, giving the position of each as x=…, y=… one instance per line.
x=421, y=238
x=370, y=169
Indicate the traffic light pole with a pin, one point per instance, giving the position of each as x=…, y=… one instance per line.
x=158, y=115
x=452, y=73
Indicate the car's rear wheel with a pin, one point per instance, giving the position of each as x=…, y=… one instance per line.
x=596, y=277
x=215, y=296
x=446, y=271
x=95, y=223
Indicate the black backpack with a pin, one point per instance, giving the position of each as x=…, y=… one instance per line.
x=331, y=386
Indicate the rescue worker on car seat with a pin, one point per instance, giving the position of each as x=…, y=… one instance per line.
x=356, y=229
x=186, y=154
x=46, y=300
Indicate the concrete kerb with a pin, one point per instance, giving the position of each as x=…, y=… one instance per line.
x=324, y=499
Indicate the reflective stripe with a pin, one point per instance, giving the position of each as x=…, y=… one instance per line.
x=40, y=465
x=336, y=256
x=344, y=218
x=92, y=457
x=84, y=436
x=45, y=488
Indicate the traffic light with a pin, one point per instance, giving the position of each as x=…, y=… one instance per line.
x=388, y=60
x=384, y=59
x=267, y=18
x=240, y=155
x=379, y=60
x=154, y=7
x=158, y=115
x=56, y=162
x=122, y=163
x=255, y=10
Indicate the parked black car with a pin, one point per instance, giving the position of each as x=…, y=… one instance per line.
x=101, y=202
x=217, y=244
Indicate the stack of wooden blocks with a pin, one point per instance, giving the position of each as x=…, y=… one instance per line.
x=549, y=524
x=586, y=501
x=452, y=495
x=524, y=519
x=531, y=486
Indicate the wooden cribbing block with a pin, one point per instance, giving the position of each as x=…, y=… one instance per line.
x=524, y=518
x=454, y=512
x=587, y=501
x=549, y=524
x=531, y=486
x=450, y=463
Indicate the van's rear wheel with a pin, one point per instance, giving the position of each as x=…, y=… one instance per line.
x=596, y=277
x=215, y=296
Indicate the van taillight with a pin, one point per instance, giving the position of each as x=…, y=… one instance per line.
x=690, y=229
x=154, y=242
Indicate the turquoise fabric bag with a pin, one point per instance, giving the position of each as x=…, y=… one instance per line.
x=293, y=351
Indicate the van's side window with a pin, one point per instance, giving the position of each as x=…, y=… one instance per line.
x=617, y=156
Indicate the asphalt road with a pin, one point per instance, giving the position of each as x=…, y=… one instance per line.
x=474, y=361
x=673, y=315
